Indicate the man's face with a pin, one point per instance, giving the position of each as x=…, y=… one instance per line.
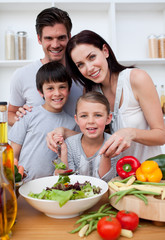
x=54, y=40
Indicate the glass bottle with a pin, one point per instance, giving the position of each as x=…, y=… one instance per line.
x=8, y=156
x=8, y=202
x=162, y=99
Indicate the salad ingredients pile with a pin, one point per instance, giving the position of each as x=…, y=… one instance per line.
x=63, y=191
x=110, y=224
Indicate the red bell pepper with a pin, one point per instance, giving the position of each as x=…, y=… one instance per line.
x=127, y=166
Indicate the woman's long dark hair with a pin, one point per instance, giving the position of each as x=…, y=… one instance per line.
x=92, y=38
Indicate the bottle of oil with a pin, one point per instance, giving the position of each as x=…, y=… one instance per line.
x=8, y=202
x=162, y=99
x=7, y=154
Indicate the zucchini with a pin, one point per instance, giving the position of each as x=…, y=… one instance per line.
x=160, y=159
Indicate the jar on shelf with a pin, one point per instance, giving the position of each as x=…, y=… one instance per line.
x=9, y=45
x=21, y=38
x=153, y=46
x=161, y=46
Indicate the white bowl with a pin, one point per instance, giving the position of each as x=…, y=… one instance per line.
x=51, y=208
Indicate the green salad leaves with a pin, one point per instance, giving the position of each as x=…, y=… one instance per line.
x=63, y=191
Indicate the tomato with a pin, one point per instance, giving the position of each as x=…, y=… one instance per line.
x=109, y=228
x=128, y=220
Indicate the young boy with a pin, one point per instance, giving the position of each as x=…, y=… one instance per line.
x=28, y=136
x=81, y=151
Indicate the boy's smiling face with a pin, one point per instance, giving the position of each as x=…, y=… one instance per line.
x=56, y=95
x=92, y=118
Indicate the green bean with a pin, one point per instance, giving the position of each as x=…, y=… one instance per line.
x=123, y=193
x=106, y=209
x=87, y=214
x=102, y=207
x=144, y=192
x=95, y=226
x=125, y=180
x=150, y=183
x=91, y=223
x=92, y=216
x=142, y=197
x=113, y=194
x=79, y=227
x=111, y=212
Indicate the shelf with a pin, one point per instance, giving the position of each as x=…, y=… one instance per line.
x=20, y=63
x=147, y=61
x=124, y=24
x=140, y=5
x=69, y=5
x=14, y=63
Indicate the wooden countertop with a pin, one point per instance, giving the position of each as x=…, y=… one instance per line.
x=34, y=225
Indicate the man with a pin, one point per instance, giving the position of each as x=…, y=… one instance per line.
x=53, y=27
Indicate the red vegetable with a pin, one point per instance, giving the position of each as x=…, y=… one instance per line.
x=109, y=228
x=128, y=220
x=69, y=171
x=127, y=166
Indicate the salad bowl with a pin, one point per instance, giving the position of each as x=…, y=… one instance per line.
x=51, y=208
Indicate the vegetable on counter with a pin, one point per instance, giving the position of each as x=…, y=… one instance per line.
x=127, y=166
x=128, y=220
x=109, y=228
x=63, y=191
x=104, y=221
x=149, y=171
x=138, y=188
x=88, y=222
x=160, y=159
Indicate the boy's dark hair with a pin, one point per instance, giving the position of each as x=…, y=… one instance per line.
x=51, y=16
x=52, y=72
x=95, y=97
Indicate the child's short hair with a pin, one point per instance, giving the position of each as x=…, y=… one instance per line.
x=95, y=97
x=52, y=72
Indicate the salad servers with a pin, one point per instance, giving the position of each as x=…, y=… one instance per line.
x=58, y=159
x=76, y=172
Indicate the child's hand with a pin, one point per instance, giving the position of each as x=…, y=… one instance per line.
x=51, y=136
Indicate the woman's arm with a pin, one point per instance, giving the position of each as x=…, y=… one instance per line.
x=146, y=94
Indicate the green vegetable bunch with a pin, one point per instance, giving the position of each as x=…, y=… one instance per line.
x=88, y=222
x=18, y=176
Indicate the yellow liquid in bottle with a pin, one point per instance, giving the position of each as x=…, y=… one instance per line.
x=8, y=156
x=8, y=210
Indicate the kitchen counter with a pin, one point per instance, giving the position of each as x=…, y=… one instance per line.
x=34, y=225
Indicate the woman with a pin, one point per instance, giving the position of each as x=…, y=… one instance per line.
x=137, y=124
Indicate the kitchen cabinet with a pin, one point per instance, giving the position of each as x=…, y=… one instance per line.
x=125, y=24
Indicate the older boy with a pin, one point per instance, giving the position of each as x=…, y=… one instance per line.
x=28, y=136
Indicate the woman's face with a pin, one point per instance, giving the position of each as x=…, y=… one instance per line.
x=91, y=62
